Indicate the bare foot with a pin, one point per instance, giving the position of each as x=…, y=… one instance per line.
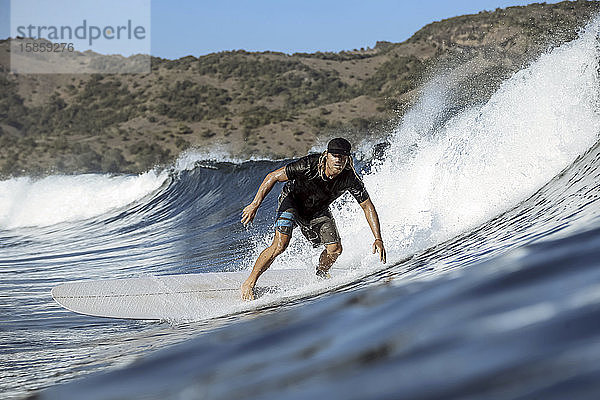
x=322, y=274
x=248, y=290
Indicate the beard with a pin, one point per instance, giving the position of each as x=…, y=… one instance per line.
x=336, y=168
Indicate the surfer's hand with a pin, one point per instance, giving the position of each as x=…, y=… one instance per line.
x=247, y=290
x=378, y=246
x=249, y=213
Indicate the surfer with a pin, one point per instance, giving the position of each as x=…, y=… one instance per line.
x=313, y=182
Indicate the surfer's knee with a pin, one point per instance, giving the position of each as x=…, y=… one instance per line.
x=280, y=243
x=334, y=249
x=279, y=248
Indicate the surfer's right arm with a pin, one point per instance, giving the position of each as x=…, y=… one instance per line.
x=249, y=211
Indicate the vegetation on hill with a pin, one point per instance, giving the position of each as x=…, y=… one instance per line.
x=267, y=103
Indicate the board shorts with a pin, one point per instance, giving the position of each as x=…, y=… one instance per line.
x=320, y=230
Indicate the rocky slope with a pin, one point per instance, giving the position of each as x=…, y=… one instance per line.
x=261, y=104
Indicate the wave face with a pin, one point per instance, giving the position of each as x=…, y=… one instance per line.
x=491, y=218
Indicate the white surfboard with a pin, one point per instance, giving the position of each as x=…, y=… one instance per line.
x=171, y=297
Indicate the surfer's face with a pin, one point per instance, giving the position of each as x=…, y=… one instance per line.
x=336, y=163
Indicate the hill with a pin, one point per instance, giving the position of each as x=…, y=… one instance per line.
x=261, y=104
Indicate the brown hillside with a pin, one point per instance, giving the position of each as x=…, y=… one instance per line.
x=264, y=104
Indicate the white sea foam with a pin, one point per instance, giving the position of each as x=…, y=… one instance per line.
x=29, y=202
x=26, y=201
x=439, y=179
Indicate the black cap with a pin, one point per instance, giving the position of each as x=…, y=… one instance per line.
x=339, y=146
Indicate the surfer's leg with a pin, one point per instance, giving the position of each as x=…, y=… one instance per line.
x=322, y=230
x=263, y=262
x=328, y=257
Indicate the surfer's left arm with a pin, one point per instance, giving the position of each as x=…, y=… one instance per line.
x=373, y=220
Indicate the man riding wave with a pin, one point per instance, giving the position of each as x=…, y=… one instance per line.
x=313, y=182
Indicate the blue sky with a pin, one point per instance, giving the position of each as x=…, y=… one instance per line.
x=188, y=27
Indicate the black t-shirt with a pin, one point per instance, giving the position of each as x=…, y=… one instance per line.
x=311, y=194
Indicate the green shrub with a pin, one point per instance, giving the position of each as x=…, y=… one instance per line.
x=113, y=161
x=259, y=116
x=184, y=129
x=189, y=101
x=400, y=74
x=181, y=144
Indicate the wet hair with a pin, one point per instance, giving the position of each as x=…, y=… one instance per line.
x=323, y=163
